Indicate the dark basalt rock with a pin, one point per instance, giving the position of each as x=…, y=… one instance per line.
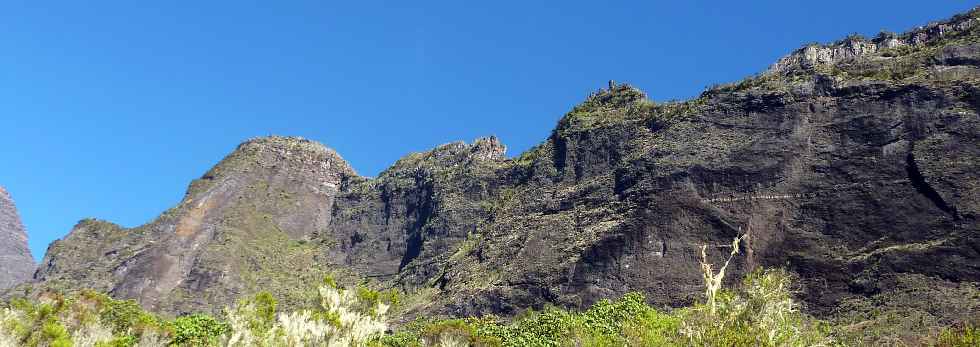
x=854, y=165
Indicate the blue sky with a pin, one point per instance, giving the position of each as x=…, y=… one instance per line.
x=109, y=109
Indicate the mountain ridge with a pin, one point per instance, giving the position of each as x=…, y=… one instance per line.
x=853, y=171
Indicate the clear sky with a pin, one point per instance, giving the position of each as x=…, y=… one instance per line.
x=109, y=109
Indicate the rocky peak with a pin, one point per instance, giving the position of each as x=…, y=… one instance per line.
x=616, y=95
x=274, y=149
x=488, y=148
x=16, y=262
x=819, y=55
x=612, y=105
x=295, y=157
x=450, y=155
x=816, y=55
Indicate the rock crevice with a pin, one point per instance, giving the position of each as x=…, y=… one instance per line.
x=922, y=186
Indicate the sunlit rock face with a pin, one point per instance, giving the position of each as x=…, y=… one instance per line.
x=16, y=262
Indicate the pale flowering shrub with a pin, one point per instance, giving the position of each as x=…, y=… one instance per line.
x=302, y=329
x=152, y=339
x=451, y=340
x=7, y=340
x=353, y=325
x=761, y=313
x=241, y=333
x=8, y=319
x=344, y=317
x=778, y=316
x=91, y=334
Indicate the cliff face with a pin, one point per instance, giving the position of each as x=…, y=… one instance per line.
x=245, y=226
x=16, y=262
x=858, y=171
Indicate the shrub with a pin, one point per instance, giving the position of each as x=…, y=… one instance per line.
x=343, y=318
x=712, y=280
x=967, y=336
x=55, y=333
x=455, y=332
x=652, y=328
x=198, y=330
x=762, y=313
x=124, y=316
x=96, y=334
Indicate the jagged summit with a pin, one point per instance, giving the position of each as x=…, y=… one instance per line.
x=16, y=261
x=489, y=148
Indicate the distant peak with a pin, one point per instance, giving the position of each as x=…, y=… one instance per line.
x=16, y=261
x=6, y=199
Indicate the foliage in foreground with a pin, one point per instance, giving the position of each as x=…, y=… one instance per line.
x=341, y=318
x=759, y=312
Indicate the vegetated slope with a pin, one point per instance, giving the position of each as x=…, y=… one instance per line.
x=16, y=262
x=853, y=164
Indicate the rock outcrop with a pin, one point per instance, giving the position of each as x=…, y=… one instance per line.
x=885, y=44
x=16, y=262
x=858, y=170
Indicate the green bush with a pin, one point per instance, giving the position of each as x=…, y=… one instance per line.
x=968, y=336
x=56, y=334
x=124, y=316
x=198, y=330
x=627, y=321
x=652, y=328
x=263, y=312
